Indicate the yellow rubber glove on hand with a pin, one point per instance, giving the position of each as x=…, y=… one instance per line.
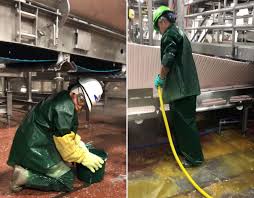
x=91, y=161
x=68, y=147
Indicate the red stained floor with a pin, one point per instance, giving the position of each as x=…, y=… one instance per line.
x=106, y=130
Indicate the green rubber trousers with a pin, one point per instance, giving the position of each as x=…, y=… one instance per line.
x=58, y=178
x=185, y=132
x=47, y=183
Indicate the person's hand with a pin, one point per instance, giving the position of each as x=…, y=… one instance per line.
x=83, y=146
x=158, y=81
x=92, y=162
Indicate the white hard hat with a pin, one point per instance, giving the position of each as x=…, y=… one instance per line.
x=91, y=89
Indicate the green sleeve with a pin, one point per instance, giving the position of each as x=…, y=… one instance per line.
x=169, y=52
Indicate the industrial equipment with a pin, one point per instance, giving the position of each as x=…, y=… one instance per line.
x=46, y=44
x=220, y=32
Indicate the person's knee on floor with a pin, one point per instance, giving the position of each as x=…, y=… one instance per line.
x=19, y=178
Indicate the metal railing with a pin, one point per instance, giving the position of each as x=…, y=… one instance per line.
x=221, y=27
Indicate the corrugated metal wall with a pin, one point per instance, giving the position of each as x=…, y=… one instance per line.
x=218, y=72
x=144, y=64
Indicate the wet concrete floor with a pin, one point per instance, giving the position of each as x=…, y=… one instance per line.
x=107, y=131
x=228, y=170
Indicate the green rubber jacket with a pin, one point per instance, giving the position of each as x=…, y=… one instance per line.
x=33, y=146
x=176, y=54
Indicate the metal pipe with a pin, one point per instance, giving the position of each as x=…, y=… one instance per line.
x=19, y=22
x=54, y=34
x=7, y=85
x=219, y=19
x=9, y=106
x=245, y=119
x=234, y=29
x=213, y=39
x=202, y=109
x=150, y=21
x=229, y=18
x=181, y=10
x=171, y=4
x=194, y=2
x=41, y=7
x=208, y=12
x=253, y=16
x=29, y=87
x=36, y=26
x=140, y=22
x=121, y=36
x=59, y=82
x=228, y=9
x=2, y=86
x=243, y=27
x=228, y=27
x=57, y=26
x=224, y=16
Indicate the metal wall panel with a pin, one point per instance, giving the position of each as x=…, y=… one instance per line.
x=104, y=45
x=218, y=72
x=110, y=13
x=143, y=65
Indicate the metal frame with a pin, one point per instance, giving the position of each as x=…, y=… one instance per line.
x=243, y=120
x=150, y=20
x=9, y=106
x=52, y=36
x=234, y=51
x=140, y=22
x=242, y=52
x=6, y=108
x=141, y=6
x=143, y=99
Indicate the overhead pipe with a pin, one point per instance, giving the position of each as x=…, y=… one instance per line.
x=228, y=9
x=229, y=27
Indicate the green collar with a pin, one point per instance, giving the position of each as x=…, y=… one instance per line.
x=169, y=27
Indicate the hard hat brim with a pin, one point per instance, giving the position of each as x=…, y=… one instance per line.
x=88, y=103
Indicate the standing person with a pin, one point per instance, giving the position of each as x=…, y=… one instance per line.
x=47, y=138
x=179, y=80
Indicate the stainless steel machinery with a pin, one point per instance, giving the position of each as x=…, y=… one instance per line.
x=52, y=37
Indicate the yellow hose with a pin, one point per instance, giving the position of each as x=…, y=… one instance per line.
x=174, y=151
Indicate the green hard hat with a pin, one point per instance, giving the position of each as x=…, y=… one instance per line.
x=157, y=14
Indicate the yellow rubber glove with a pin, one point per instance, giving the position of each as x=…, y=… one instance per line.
x=77, y=139
x=68, y=147
x=91, y=161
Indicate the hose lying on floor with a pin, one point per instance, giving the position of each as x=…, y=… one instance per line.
x=174, y=151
